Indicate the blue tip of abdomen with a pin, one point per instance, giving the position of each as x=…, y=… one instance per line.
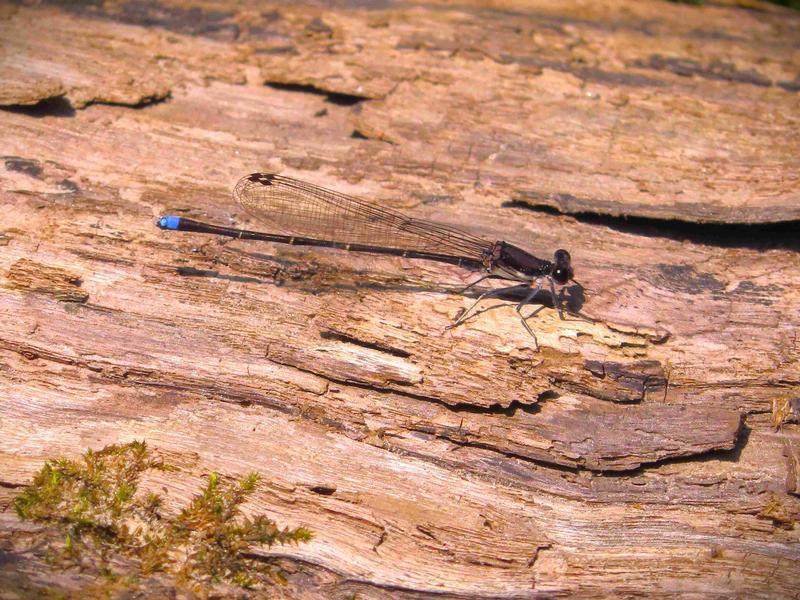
x=169, y=222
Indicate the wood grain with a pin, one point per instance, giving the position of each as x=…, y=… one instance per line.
x=645, y=446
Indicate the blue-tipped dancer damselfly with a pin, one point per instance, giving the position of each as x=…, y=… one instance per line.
x=304, y=214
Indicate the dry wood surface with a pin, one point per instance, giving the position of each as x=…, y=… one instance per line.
x=648, y=445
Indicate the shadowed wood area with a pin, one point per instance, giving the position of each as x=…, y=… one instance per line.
x=648, y=445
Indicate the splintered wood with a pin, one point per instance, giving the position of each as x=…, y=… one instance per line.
x=647, y=446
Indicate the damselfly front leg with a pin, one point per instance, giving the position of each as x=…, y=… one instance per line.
x=531, y=295
x=556, y=299
x=555, y=296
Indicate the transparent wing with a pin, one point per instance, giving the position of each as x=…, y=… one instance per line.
x=302, y=209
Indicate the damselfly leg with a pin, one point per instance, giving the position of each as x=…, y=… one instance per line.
x=556, y=298
x=476, y=282
x=531, y=295
x=483, y=296
x=531, y=288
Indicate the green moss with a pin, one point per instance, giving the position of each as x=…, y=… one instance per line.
x=98, y=521
x=218, y=536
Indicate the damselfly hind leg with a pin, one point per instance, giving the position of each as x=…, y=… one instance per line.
x=464, y=315
x=474, y=283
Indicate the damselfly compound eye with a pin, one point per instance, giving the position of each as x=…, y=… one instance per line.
x=562, y=276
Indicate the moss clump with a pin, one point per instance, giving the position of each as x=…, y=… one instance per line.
x=101, y=523
x=217, y=538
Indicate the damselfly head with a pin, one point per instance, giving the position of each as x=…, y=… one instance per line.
x=562, y=267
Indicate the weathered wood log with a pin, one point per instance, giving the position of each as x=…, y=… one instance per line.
x=647, y=444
